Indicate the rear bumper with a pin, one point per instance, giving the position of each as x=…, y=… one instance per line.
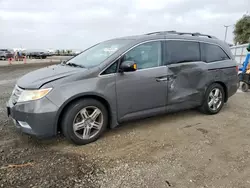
x=233, y=87
x=35, y=117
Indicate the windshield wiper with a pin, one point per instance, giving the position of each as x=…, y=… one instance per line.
x=74, y=65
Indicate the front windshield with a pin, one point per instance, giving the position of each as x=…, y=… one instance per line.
x=97, y=54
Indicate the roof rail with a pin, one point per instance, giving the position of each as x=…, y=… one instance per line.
x=181, y=33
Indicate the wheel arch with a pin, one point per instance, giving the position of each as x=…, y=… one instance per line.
x=225, y=90
x=63, y=108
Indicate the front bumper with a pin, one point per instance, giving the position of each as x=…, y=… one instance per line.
x=35, y=117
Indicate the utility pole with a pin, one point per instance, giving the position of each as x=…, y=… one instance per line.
x=226, y=26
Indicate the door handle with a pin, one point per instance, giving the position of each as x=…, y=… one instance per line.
x=166, y=78
x=163, y=79
x=172, y=76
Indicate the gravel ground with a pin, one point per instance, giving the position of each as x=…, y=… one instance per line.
x=185, y=149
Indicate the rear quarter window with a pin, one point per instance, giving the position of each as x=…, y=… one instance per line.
x=212, y=53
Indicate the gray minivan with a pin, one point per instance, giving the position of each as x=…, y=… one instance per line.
x=124, y=79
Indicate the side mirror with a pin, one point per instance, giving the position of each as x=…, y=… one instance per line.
x=128, y=66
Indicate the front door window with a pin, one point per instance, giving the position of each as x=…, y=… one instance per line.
x=147, y=55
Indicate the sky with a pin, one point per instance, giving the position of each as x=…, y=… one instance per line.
x=77, y=24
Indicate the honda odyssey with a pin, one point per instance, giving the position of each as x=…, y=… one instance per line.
x=124, y=79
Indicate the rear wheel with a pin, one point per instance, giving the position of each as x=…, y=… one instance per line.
x=214, y=99
x=84, y=121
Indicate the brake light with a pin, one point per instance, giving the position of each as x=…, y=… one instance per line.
x=237, y=68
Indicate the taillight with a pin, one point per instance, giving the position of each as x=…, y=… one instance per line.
x=237, y=68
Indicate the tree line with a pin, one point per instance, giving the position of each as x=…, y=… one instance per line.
x=242, y=30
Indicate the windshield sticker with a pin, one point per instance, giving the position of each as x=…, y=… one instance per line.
x=110, y=50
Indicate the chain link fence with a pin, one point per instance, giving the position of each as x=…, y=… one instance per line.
x=239, y=52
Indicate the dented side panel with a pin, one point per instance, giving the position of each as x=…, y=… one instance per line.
x=188, y=82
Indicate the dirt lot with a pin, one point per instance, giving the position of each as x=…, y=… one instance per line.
x=186, y=149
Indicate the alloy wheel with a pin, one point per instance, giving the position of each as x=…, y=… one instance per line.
x=215, y=99
x=88, y=122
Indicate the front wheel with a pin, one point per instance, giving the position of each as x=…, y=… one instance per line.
x=214, y=99
x=84, y=121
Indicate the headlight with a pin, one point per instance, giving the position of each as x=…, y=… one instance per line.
x=30, y=95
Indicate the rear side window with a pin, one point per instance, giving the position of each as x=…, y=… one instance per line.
x=182, y=51
x=211, y=53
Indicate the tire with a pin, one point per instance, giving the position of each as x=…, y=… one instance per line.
x=244, y=87
x=3, y=58
x=72, y=115
x=206, y=108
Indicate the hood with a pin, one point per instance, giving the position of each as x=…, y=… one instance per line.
x=37, y=78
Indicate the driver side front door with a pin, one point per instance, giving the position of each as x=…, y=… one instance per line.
x=142, y=93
